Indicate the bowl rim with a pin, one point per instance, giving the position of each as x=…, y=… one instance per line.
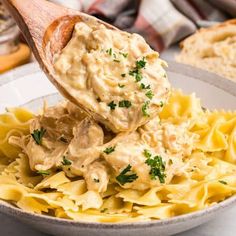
x=208, y=77
x=11, y=210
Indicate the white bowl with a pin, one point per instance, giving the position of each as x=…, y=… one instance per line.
x=27, y=85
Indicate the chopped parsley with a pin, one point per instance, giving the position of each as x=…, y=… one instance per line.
x=112, y=105
x=223, y=182
x=125, y=55
x=104, y=210
x=137, y=70
x=109, y=51
x=149, y=94
x=121, y=85
x=124, y=178
x=143, y=86
x=141, y=64
x=147, y=153
x=116, y=60
x=38, y=135
x=138, y=77
x=157, y=167
x=161, y=104
x=63, y=139
x=145, y=108
x=96, y=180
x=123, y=75
x=43, y=172
x=136, y=73
x=125, y=103
x=66, y=162
x=109, y=150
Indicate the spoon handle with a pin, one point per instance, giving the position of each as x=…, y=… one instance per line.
x=33, y=17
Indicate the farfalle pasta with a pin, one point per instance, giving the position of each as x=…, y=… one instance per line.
x=63, y=164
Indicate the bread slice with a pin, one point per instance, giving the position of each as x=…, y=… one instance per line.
x=212, y=49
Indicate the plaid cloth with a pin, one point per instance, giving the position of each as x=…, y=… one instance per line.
x=161, y=22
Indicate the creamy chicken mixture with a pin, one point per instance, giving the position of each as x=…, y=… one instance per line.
x=63, y=137
x=115, y=76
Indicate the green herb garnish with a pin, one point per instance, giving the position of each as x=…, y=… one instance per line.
x=121, y=85
x=141, y=64
x=109, y=150
x=143, y=86
x=147, y=153
x=125, y=103
x=161, y=104
x=63, y=139
x=66, y=162
x=116, y=60
x=123, y=75
x=96, y=180
x=43, y=172
x=138, y=76
x=157, y=168
x=137, y=70
x=109, y=51
x=125, y=55
x=223, y=182
x=112, y=105
x=149, y=94
x=124, y=178
x=145, y=108
x=104, y=210
x=38, y=135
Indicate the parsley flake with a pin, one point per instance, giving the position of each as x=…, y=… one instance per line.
x=38, y=135
x=123, y=75
x=96, y=180
x=145, y=108
x=116, y=60
x=112, y=105
x=223, y=182
x=109, y=51
x=157, y=168
x=66, y=162
x=143, y=86
x=147, y=153
x=137, y=70
x=138, y=76
x=121, y=85
x=149, y=94
x=124, y=178
x=63, y=139
x=43, y=172
x=109, y=150
x=141, y=64
x=104, y=210
x=125, y=103
x=125, y=55
x=161, y=104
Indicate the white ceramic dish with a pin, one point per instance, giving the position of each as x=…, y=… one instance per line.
x=28, y=85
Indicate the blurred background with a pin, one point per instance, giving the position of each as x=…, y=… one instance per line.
x=163, y=23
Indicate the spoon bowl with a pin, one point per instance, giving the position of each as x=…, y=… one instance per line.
x=48, y=27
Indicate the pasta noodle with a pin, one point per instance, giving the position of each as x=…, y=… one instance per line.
x=63, y=164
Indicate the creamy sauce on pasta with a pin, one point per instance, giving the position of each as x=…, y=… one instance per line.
x=100, y=162
x=114, y=75
x=70, y=166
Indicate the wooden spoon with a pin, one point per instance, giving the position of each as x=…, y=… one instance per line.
x=47, y=28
